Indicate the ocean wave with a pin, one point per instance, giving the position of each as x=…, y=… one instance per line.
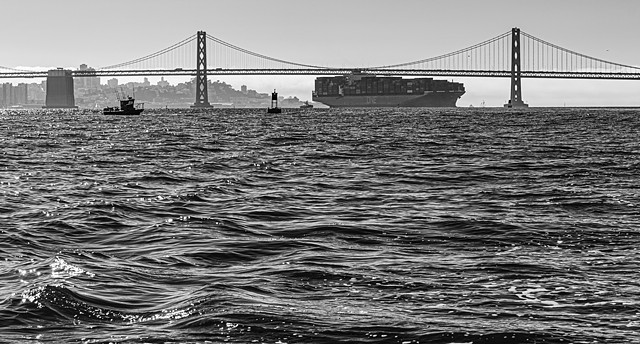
x=344, y=225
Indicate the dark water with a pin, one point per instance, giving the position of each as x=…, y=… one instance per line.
x=354, y=226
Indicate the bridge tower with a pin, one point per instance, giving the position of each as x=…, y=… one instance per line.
x=516, y=89
x=202, y=94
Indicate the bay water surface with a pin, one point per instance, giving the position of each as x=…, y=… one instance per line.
x=321, y=226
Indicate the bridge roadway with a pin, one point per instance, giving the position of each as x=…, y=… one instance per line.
x=337, y=71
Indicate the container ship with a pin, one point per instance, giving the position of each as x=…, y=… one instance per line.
x=366, y=90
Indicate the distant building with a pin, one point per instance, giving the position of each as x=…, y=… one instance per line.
x=5, y=94
x=14, y=95
x=21, y=94
x=112, y=83
x=243, y=89
x=163, y=83
x=36, y=93
x=87, y=82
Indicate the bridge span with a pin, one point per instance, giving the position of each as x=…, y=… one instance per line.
x=514, y=54
x=337, y=71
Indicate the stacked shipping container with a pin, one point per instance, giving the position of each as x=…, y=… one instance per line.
x=371, y=85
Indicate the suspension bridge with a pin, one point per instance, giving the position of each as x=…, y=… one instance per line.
x=514, y=54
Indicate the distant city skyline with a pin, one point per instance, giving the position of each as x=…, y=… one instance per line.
x=332, y=33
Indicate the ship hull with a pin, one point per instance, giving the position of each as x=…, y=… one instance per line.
x=121, y=112
x=428, y=99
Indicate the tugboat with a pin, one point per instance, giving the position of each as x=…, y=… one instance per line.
x=306, y=105
x=127, y=107
x=274, y=100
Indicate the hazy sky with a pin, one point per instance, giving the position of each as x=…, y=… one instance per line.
x=331, y=32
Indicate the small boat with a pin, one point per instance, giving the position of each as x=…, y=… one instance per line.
x=127, y=107
x=274, y=103
x=306, y=105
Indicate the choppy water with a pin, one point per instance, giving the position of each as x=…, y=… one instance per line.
x=367, y=226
